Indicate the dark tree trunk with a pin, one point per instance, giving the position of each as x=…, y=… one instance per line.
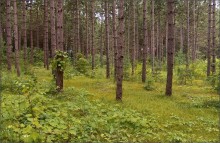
x=87, y=31
x=133, y=37
x=115, y=37
x=31, y=35
x=209, y=40
x=24, y=33
x=93, y=34
x=188, y=38
x=17, y=65
x=152, y=37
x=120, y=51
x=59, y=72
x=170, y=12
x=145, y=48
x=8, y=31
x=46, y=51
x=53, y=28
x=107, y=40
x=213, y=38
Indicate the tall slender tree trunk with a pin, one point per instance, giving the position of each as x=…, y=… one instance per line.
x=209, y=40
x=59, y=72
x=213, y=38
x=87, y=31
x=188, y=40
x=170, y=12
x=17, y=65
x=31, y=34
x=133, y=37
x=152, y=37
x=194, y=32
x=145, y=48
x=120, y=50
x=181, y=37
x=107, y=40
x=93, y=34
x=1, y=42
x=24, y=33
x=115, y=37
x=38, y=38
x=78, y=25
x=101, y=46
x=8, y=31
x=46, y=51
x=53, y=28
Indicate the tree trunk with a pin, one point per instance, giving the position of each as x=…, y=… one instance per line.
x=87, y=31
x=93, y=34
x=152, y=37
x=38, y=44
x=107, y=40
x=181, y=37
x=209, y=40
x=46, y=51
x=170, y=12
x=188, y=40
x=213, y=38
x=53, y=28
x=17, y=65
x=120, y=50
x=78, y=26
x=115, y=37
x=8, y=30
x=31, y=34
x=133, y=37
x=194, y=32
x=59, y=72
x=145, y=48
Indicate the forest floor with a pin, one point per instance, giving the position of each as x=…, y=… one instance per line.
x=189, y=115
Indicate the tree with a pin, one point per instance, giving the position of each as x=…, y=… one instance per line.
x=107, y=40
x=31, y=34
x=53, y=28
x=213, y=38
x=120, y=50
x=133, y=37
x=93, y=35
x=8, y=31
x=170, y=12
x=145, y=42
x=17, y=65
x=114, y=36
x=24, y=31
x=59, y=72
x=209, y=40
x=188, y=40
x=152, y=36
x=46, y=52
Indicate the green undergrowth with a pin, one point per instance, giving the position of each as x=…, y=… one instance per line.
x=86, y=111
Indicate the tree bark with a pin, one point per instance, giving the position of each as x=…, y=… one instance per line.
x=93, y=34
x=144, y=68
x=120, y=51
x=213, y=68
x=170, y=12
x=209, y=40
x=59, y=72
x=188, y=40
x=46, y=51
x=31, y=34
x=107, y=40
x=8, y=30
x=115, y=37
x=53, y=28
x=17, y=65
x=152, y=37
x=194, y=32
x=87, y=31
x=133, y=37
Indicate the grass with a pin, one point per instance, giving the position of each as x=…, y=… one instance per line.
x=192, y=109
x=188, y=102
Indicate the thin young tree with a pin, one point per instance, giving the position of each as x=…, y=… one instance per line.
x=209, y=40
x=93, y=34
x=31, y=34
x=53, y=28
x=170, y=12
x=120, y=50
x=17, y=65
x=8, y=31
x=213, y=68
x=24, y=32
x=114, y=36
x=145, y=42
x=107, y=40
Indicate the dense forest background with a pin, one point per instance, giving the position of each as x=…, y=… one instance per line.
x=64, y=62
